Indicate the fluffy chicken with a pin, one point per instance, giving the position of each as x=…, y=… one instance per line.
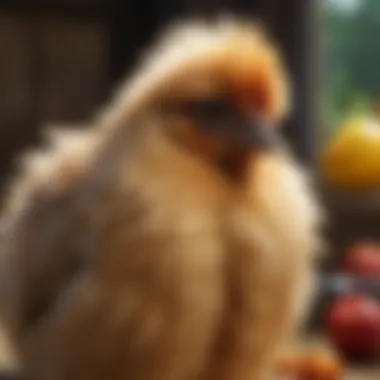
x=176, y=238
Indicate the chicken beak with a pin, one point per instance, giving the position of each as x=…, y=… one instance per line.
x=256, y=135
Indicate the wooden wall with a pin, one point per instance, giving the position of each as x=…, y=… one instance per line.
x=53, y=67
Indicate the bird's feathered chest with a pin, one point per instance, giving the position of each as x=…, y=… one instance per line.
x=167, y=201
x=181, y=254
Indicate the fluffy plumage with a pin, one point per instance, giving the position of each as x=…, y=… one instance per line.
x=127, y=251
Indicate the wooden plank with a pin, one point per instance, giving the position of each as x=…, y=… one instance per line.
x=319, y=342
x=74, y=68
x=71, y=3
x=53, y=3
x=15, y=89
x=14, y=72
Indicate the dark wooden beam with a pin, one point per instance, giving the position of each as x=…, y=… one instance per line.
x=297, y=28
x=131, y=26
x=33, y=9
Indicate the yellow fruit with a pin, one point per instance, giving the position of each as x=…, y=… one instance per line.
x=352, y=159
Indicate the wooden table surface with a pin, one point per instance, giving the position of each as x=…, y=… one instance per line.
x=369, y=372
x=364, y=373
x=354, y=372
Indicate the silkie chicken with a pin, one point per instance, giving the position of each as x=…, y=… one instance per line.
x=176, y=239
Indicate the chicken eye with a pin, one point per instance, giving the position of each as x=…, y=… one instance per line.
x=210, y=109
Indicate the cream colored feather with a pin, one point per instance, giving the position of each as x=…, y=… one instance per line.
x=127, y=256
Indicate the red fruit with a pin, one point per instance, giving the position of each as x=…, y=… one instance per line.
x=353, y=325
x=363, y=259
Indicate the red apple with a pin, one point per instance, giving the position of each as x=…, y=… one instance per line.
x=363, y=259
x=353, y=326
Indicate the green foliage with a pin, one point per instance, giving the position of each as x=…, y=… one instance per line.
x=352, y=47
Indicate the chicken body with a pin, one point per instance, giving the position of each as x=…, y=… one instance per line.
x=128, y=255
